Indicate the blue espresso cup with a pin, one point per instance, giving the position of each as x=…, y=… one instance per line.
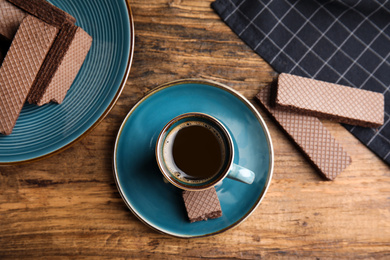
x=195, y=151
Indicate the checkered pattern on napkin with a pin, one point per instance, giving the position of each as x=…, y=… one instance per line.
x=340, y=41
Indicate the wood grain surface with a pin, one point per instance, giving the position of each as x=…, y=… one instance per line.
x=68, y=206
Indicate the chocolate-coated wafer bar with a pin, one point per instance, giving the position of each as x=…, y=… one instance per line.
x=331, y=101
x=20, y=67
x=202, y=205
x=44, y=11
x=10, y=19
x=311, y=137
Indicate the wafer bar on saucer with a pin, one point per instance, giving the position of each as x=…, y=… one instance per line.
x=202, y=205
x=330, y=101
x=10, y=19
x=311, y=137
x=20, y=67
x=44, y=11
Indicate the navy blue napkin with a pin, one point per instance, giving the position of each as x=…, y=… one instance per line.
x=340, y=41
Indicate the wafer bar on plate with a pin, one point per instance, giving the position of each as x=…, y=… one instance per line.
x=61, y=65
x=202, y=205
x=20, y=67
x=331, y=101
x=64, y=58
x=311, y=137
x=44, y=11
x=10, y=19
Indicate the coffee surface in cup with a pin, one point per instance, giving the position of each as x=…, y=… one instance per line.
x=197, y=151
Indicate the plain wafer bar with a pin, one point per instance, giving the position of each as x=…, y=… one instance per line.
x=10, y=19
x=311, y=137
x=45, y=11
x=202, y=205
x=20, y=67
x=330, y=101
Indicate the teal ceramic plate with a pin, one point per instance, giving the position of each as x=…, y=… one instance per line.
x=41, y=131
x=140, y=183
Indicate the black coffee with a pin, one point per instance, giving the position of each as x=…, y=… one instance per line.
x=197, y=151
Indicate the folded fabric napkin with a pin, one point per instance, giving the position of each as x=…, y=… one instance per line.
x=340, y=41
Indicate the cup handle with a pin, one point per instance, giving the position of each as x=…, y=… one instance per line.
x=241, y=174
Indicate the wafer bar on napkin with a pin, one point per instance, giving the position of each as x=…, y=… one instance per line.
x=311, y=137
x=61, y=65
x=20, y=67
x=330, y=101
x=44, y=11
x=10, y=19
x=202, y=205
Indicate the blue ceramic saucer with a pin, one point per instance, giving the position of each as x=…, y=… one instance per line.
x=139, y=181
x=45, y=130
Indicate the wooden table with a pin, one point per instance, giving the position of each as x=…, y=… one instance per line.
x=68, y=205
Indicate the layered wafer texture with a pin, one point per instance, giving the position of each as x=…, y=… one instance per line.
x=61, y=65
x=330, y=101
x=202, y=205
x=20, y=67
x=44, y=11
x=50, y=68
x=64, y=58
x=68, y=68
x=310, y=136
x=10, y=19
x=52, y=62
